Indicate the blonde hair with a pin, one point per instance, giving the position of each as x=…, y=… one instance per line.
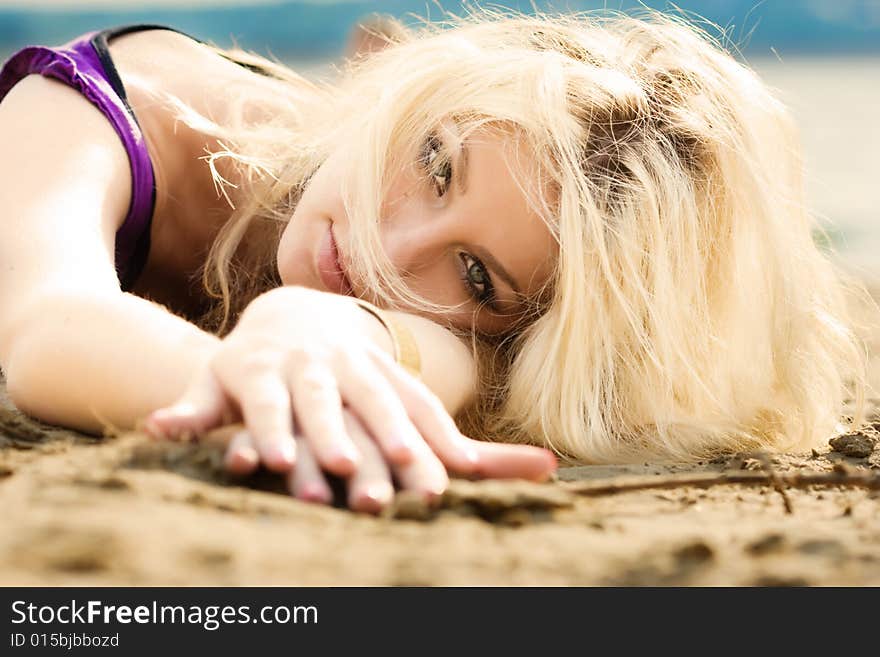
x=690, y=312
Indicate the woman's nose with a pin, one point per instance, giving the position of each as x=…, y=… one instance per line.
x=414, y=242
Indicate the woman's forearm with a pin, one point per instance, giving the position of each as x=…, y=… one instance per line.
x=89, y=362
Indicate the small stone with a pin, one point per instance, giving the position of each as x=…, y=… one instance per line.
x=515, y=517
x=856, y=445
x=409, y=505
x=766, y=544
x=695, y=552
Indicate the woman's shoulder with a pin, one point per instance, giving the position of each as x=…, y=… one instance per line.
x=193, y=72
x=181, y=90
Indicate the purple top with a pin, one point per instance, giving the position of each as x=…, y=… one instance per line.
x=85, y=65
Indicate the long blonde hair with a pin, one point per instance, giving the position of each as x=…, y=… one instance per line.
x=690, y=312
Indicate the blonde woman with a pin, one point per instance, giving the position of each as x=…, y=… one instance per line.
x=586, y=234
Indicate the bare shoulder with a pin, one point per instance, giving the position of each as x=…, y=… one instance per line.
x=50, y=131
x=156, y=66
x=193, y=72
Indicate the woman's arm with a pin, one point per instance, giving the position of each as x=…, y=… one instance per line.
x=70, y=341
x=76, y=350
x=83, y=360
x=79, y=352
x=92, y=362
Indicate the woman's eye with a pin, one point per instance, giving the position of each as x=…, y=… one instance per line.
x=437, y=166
x=477, y=280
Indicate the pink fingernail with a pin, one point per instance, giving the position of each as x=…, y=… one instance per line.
x=433, y=496
x=314, y=493
x=285, y=452
x=402, y=451
x=379, y=492
x=247, y=455
x=350, y=456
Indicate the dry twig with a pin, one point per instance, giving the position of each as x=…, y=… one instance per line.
x=840, y=477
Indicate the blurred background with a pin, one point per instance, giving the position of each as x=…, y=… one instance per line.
x=822, y=56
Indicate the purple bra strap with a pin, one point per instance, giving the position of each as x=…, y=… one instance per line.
x=78, y=65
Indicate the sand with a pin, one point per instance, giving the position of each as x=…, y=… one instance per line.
x=128, y=511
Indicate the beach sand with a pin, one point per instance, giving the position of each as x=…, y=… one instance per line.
x=128, y=511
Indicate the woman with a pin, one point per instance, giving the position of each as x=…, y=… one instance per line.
x=586, y=234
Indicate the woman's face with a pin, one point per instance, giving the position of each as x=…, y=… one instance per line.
x=455, y=224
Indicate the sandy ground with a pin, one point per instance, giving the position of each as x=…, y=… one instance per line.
x=126, y=511
x=77, y=510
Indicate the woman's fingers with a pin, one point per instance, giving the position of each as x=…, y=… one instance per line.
x=425, y=476
x=378, y=406
x=430, y=417
x=505, y=461
x=200, y=407
x=318, y=408
x=241, y=454
x=305, y=481
x=370, y=488
x=459, y=453
x=265, y=406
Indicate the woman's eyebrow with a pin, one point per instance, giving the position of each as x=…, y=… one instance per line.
x=462, y=168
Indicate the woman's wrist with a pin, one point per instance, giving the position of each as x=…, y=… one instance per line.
x=404, y=347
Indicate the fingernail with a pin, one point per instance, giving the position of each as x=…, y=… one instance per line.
x=314, y=493
x=242, y=461
x=433, y=495
x=247, y=455
x=402, y=449
x=280, y=456
x=379, y=492
x=349, y=455
x=285, y=451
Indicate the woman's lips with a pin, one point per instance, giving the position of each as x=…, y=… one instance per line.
x=329, y=267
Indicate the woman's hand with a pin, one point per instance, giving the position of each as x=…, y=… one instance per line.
x=301, y=369
x=369, y=489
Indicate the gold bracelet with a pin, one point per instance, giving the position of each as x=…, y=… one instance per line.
x=406, y=351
